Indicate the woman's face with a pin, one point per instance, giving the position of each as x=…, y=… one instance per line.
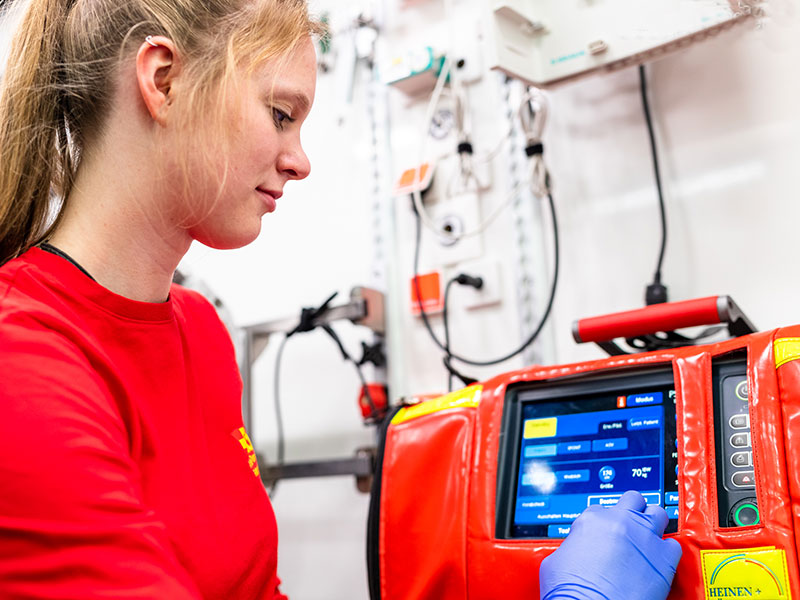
x=263, y=152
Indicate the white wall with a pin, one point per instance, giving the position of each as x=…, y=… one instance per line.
x=727, y=121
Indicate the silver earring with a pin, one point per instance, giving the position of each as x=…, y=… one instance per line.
x=149, y=40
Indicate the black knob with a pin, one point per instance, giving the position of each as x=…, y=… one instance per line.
x=744, y=513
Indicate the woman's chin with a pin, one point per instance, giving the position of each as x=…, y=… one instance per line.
x=228, y=239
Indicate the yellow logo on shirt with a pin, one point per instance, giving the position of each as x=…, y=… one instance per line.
x=244, y=440
x=746, y=573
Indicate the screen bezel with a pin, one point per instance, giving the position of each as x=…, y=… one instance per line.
x=571, y=388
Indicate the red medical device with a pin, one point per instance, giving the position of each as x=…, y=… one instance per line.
x=476, y=487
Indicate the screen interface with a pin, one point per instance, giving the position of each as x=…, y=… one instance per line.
x=574, y=453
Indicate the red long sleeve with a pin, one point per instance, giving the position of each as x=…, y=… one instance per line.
x=124, y=468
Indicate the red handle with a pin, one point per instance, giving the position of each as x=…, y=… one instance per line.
x=657, y=317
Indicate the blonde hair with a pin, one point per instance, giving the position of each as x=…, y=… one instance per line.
x=60, y=77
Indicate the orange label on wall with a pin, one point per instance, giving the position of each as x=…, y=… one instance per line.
x=411, y=180
x=430, y=291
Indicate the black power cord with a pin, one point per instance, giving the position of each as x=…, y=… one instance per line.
x=539, y=327
x=371, y=353
x=307, y=322
x=462, y=279
x=357, y=364
x=656, y=292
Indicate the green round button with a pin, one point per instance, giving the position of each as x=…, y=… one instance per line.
x=746, y=514
x=741, y=391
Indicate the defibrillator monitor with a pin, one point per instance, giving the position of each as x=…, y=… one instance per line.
x=572, y=445
x=509, y=464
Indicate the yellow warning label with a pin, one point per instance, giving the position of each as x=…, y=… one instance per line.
x=746, y=573
x=786, y=350
x=469, y=397
x=540, y=428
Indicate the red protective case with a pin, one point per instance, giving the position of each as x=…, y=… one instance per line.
x=439, y=479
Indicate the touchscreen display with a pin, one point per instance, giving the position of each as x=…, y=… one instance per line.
x=576, y=452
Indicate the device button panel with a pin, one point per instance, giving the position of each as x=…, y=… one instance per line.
x=738, y=454
x=736, y=474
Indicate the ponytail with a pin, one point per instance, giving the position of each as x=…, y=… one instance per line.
x=34, y=155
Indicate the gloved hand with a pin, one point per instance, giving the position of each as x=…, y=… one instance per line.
x=613, y=553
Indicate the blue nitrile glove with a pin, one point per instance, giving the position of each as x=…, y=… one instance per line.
x=613, y=553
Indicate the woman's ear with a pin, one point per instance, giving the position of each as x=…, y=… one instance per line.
x=156, y=69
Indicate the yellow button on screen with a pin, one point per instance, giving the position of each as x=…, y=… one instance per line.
x=540, y=428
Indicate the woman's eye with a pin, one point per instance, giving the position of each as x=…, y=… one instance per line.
x=280, y=118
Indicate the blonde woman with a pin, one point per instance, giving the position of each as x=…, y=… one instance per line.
x=128, y=130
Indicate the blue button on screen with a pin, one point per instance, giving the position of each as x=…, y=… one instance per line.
x=671, y=498
x=558, y=531
x=607, y=474
x=652, y=498
x=672, y=512
x=610, y=445
x=535, y=503
x=645, y=399
x=637, y=423
x=609, y=500
x=570, y=476
x=574, y=448
x=540, y=451
x=613, y=426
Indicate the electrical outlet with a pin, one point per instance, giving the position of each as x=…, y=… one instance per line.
x=460, y=214
x=490, y=294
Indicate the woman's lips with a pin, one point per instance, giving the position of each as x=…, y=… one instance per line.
x=270, y=198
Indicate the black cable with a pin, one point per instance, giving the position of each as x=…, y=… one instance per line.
x=659, y=293
x=278, y=412
x=461, y=279
x=444, y=315
x=281, y=443
x=531, y=338
x=346, y=356
x=306, y=323
x=447, y=331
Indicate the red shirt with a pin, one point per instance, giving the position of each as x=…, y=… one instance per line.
x=124, y=468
